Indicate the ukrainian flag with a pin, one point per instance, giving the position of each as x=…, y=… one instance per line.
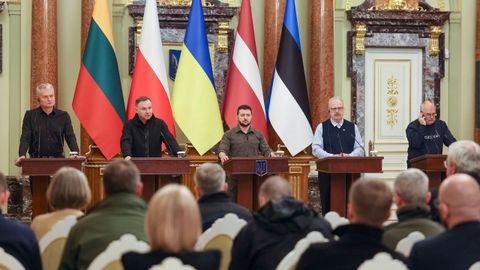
x=194, y=101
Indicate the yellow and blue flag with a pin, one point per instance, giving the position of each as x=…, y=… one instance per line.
x=194, y=101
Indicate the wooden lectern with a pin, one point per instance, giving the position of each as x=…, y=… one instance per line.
x=343, y=172
x=40, y=170
x=433, y=166
x=157, y=172
x=246, y=170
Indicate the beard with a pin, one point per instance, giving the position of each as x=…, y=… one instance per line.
x=244, y=124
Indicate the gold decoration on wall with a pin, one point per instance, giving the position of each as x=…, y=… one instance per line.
x=408, y=5
x=182, y=3
x=223, y=36
x=434, y=48
x=361, y=30
x=392, y=101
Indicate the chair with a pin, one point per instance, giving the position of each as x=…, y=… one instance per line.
x=110, y=258
x=289, y=262
x=405, y=245
x=335, y=219
x=382, y=261
x=475, y=266
x=172, y=263
x=53, y=242
x=8, y=262
x=220, y=236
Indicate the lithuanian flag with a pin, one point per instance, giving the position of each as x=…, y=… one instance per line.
x=98, y=101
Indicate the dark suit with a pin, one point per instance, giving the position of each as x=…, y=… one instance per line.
x=207, y=260
x=357, y=243
x=216, y=205
x=456, y=249
x=19, y=241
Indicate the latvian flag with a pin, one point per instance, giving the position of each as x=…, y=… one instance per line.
x=244, y=85
x=287, y=104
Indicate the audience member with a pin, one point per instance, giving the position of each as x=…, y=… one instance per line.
x=214, y=201
x=412, y=197
x=279, y=223
x=68, y=194
x=17, y=239
x=122, y=211
x=459, y=247
x=463, y=157
x=172, y=226
x=368, y=207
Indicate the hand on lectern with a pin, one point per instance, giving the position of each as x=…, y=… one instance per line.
x=18, y=161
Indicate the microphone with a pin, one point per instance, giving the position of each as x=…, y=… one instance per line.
x=340, y=141
x=434, y=143
x=361, y=146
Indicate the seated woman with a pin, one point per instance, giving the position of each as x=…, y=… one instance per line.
x=68, y=194
x=173, y=225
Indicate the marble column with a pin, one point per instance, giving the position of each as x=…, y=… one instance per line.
x=321, y=59
x=87, y=10
x=44, y=46
x=477, y=86
x=273, y=15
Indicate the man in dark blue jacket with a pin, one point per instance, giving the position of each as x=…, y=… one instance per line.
x=459, y=247
x=427, y=135
x=17, y=239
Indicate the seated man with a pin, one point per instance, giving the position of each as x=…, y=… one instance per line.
x=412, y=197
x=214, y=202
x=143, y=135
x=279, y=223
x=122, y=211
x=368, y=207
x=463, y=157
x=15, y=238
x=427, y=135
x=459, y=247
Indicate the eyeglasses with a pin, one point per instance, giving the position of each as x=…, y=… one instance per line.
x=430, y=114
x=336, y=109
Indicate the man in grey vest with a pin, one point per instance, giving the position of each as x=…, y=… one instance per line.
x=335, y=137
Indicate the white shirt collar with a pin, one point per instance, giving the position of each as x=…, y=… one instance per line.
x=335, y=124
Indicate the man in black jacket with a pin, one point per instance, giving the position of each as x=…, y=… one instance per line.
x=45, y=128
x=143, y=135
x=368, y=207
x=276, y=227
x=214, y=201
x=427, y=135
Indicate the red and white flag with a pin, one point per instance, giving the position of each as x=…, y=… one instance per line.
x=150, y=76
x=244, y=84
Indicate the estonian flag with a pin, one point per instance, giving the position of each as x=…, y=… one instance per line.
x=287, y=103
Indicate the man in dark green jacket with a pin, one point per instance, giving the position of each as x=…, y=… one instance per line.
x=121, y=212
x=412, y=197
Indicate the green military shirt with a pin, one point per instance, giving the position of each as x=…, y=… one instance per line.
x=116, y=215
x=235, y=143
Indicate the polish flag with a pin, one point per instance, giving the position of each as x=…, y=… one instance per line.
x=150, y=76
x=244, y=85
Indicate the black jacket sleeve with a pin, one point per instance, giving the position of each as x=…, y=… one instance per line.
x=70, y=135
x=415, y=135
x=168, y=139
x=126, y=141
x=27, y=132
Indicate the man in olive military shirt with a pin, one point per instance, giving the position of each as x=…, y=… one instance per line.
x=243, y=140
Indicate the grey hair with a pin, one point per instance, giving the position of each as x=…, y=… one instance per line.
x=209, y=178
x=465, y=155
x=41, y=86
x=412, y=186
x=425, y=101
x=334, y=98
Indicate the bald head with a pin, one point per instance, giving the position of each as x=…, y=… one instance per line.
x=274, y=188
x=459, y=198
